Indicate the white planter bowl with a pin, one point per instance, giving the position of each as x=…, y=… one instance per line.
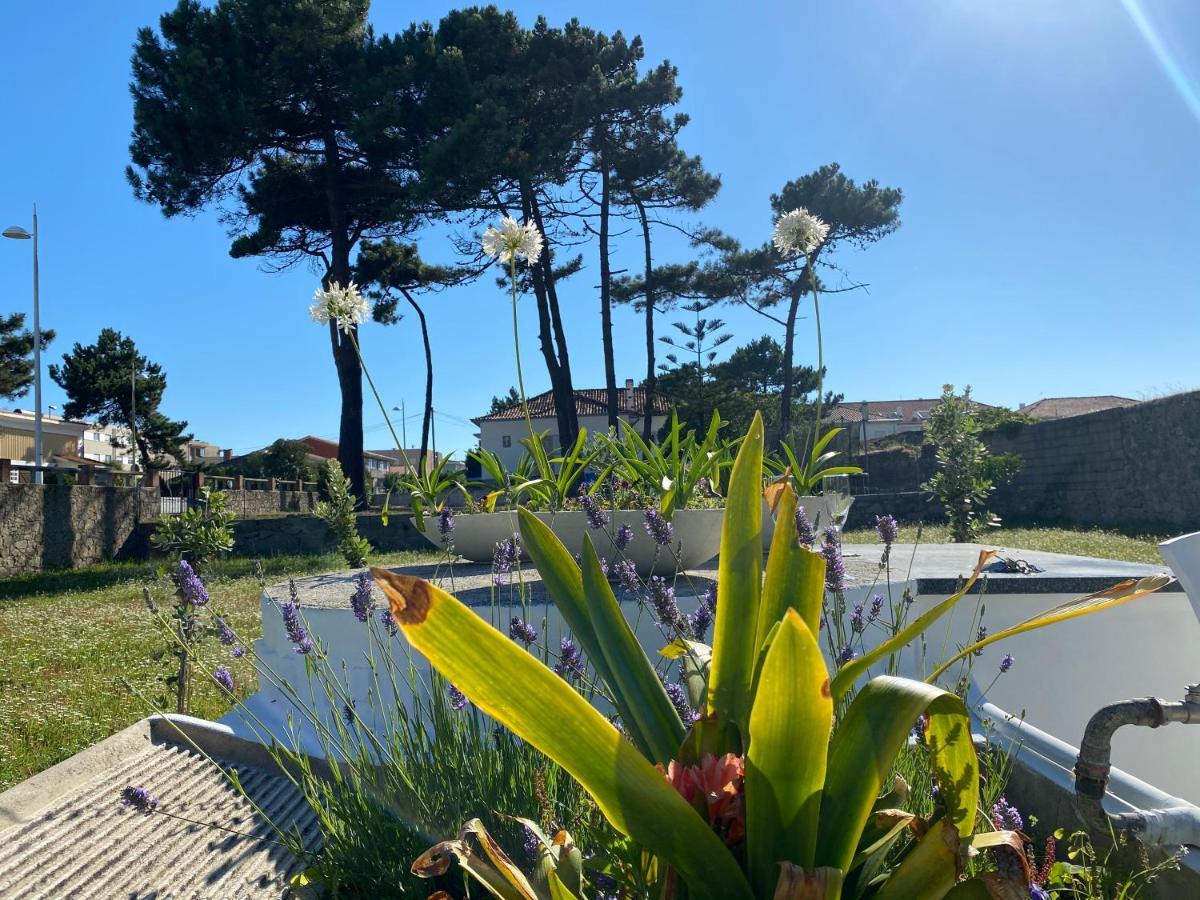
x=697, y=537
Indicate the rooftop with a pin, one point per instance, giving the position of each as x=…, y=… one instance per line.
x=885, y=410
x=327, y=449
x=588, y=402
x=1065, y=407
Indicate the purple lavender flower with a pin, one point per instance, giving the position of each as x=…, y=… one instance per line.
x=531, y=844
x=623, y=536
x=702, y=486
x=662, y=597
x=627, y=576
x=348, y=713
x=887, y=529
x=919, y=728
x=360, y=600
x=597, y=517
x=1006, y=817
x=570, y=662
x=445, y=522
x=296, y=632
x=522, y=631
x=659, y=529
x=857, y=621
x=678, y=697
x=386, y=620
x=138, y=798
x=237, y=652
x=876, y=608
x=835, y=566
x=699, y=621
x=1006, y=663
x=223, y=677
x=709, y=597
x=458, y=700
x=805, y=534
x=504, y=556
x=225, y=634
x=190, y=585
x=846, y=655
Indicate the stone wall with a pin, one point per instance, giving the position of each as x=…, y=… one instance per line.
x=308, y=534
x=251, y=504
x=1135, y=468
x=56, y=526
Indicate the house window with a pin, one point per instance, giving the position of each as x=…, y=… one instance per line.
x=506, y=440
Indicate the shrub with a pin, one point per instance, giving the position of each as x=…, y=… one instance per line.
x=337, y=512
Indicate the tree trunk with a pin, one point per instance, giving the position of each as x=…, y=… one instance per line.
x=349, y=369
x=606, y=327
x=427, y=419
x=651, y=375
x=789, y=346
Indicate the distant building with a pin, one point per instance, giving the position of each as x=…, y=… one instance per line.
x=501, y=432
x=1066, y=407
x=399, y=464
x=108, y=444
x=203, y=452
x=871, y=419
x=60, y=440
x=376, y=465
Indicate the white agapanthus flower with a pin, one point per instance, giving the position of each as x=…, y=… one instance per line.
x=513, y=239
x=799, y=232
x=344, y=305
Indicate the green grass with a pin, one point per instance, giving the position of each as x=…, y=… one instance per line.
x=68, y=638
x=1078, y=542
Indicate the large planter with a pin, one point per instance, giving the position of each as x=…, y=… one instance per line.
x=697, y=537
x=816, y=508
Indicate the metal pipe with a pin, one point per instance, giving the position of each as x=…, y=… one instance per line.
x=1170, y=826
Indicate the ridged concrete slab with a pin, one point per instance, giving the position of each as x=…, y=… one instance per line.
x=65, y=834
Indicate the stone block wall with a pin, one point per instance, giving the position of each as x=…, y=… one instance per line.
x=56, y=526
x=308, y=534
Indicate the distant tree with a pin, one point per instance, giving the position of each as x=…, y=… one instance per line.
x=284, y=459
x=763, y=278
x=512, y=398
x=111, y=381
x=296, y=121
x=16, y=355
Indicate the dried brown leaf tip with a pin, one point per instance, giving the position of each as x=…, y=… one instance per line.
x=409, y=598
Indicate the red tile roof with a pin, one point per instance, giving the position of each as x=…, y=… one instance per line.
x=329, y=449
x=1065, y=407
x=588, y=402
x=914, y=411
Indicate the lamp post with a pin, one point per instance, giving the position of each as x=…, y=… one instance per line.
x=18, y=233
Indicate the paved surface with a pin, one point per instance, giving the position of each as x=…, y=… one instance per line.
x=935, y=569
x=65, y=834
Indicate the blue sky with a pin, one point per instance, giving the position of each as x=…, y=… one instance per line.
x=1048, y=153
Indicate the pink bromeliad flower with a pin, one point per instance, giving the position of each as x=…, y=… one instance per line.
x=714, y=788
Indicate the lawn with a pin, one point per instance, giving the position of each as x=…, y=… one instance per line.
x=1093, y=542
x=68, y=638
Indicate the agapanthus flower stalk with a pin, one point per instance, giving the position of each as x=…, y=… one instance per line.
x=344, y=306
x=799, y=232
x=513, y=239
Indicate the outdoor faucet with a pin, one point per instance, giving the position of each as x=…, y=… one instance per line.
x=1169, y=827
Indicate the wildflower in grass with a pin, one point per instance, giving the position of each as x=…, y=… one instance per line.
x=678, y=698
x=344, y=306
x=237, y=652
x=190, y=585
x=521, y=631
x=627, y=576
x=225, y=634
x=296, y=632
x=876, y=608
x=386, y=620
x=846, y=655
x=138, y=798
x=223, y=677
x=623, y=536
x=858, y=618
x=570, y=661
x=799, y=232
x=835, y=566
x=1006, y=663
x=887, y=529
x=512, y=239
x=1006, y=817
x=806, y=536
x=662, y=597
x=458, y=700
x=596, y=516
x=360, y=600
x=659, y=529
x=445, y=522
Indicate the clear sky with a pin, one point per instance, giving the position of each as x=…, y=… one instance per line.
x=1049, y=154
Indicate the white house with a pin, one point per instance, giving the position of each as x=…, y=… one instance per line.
x=501, y=432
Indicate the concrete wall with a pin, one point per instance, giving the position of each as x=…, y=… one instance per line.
x=1135, y=468
x=55, y=526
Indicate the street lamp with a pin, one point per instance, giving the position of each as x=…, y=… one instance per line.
x=16, y=232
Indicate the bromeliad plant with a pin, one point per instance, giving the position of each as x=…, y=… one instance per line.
x=760, y=796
